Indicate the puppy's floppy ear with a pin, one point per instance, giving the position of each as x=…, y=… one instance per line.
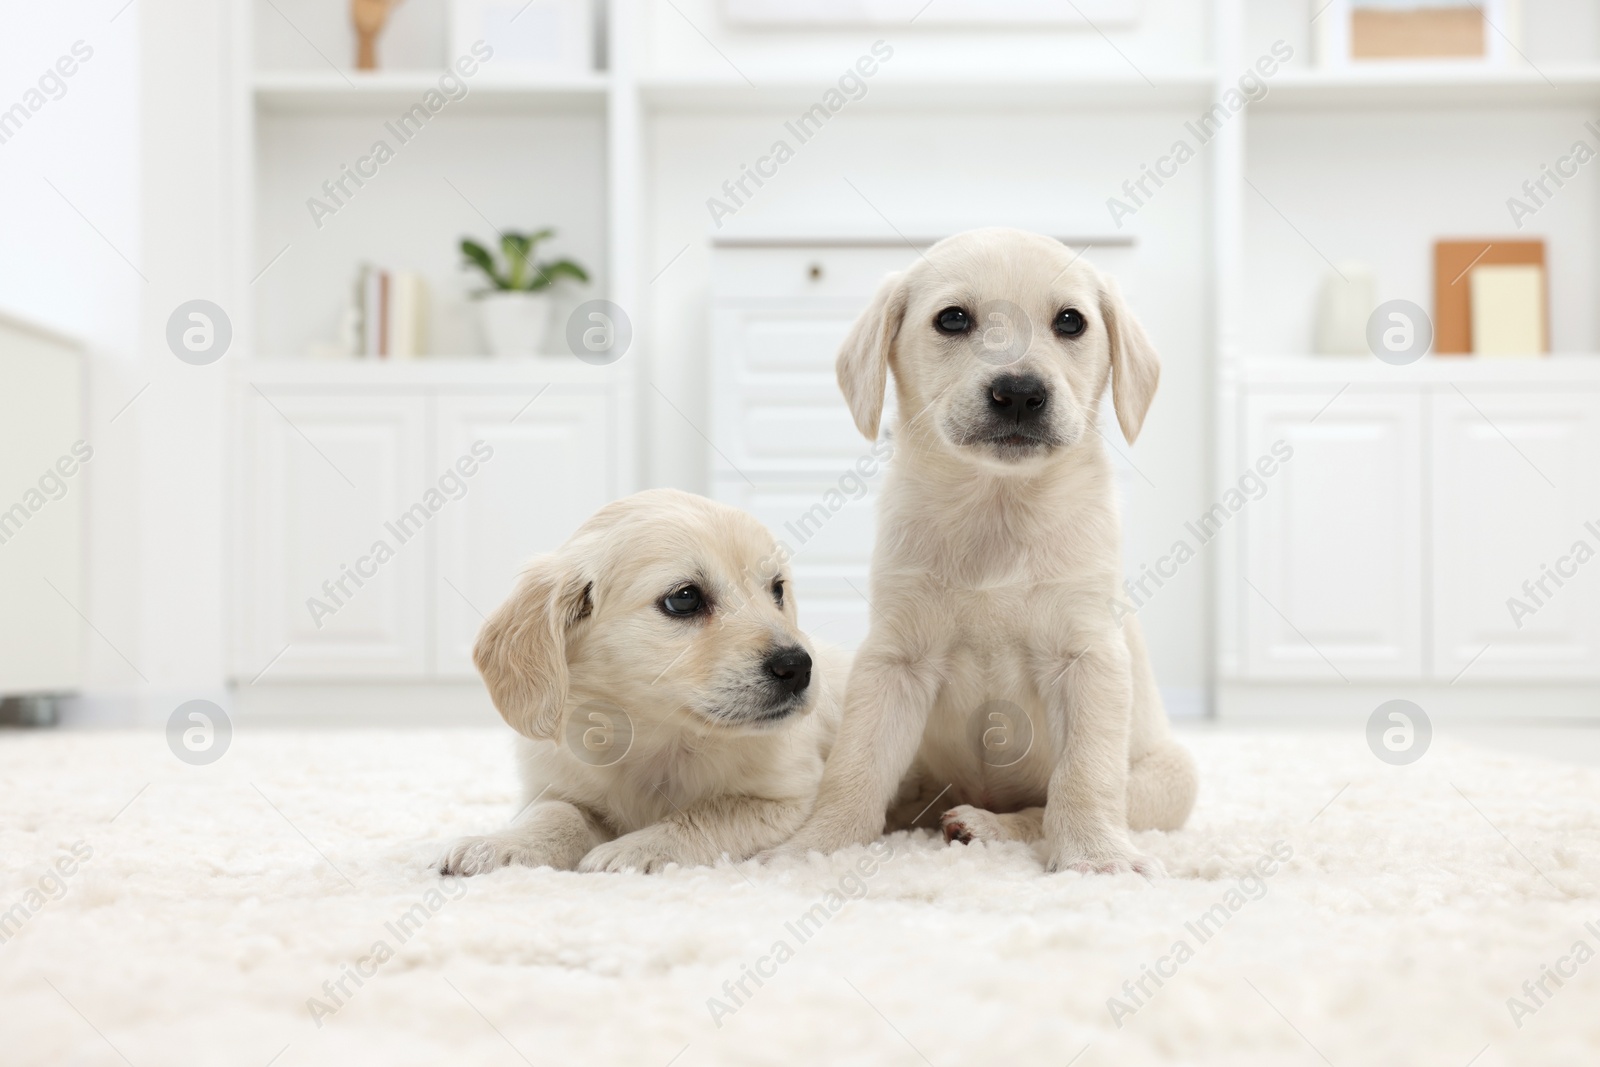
x=863, y=365
x=522, y=649
x=1135, y=368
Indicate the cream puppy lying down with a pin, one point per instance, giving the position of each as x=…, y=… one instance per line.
x=671, y=709
x=1002, y=671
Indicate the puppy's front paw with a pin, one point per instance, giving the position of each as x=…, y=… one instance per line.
x=1104, y=858
x=474, y=855
x=966, y=824
x=480, y=855
x=647, y=851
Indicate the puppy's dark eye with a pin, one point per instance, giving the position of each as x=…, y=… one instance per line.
x=777, y=592
x=952, y=320
x=1069, y=323
x=685, y=600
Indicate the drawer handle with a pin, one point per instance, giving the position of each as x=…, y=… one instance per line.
x=814, y=272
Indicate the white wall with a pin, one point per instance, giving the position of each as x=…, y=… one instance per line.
x=186, y=208
x=138, y=144
x=72, y=258
x=687, y=37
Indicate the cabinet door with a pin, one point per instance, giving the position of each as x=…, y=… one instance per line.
x=1333, y=546
x=1514, y=487
x=332, y=478
x=776, y=406
x=553, y=464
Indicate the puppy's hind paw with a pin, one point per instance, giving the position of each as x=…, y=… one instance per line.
x=966, y=824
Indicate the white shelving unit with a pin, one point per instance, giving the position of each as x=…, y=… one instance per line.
x=326, y=453
x=1379, y=561
x=1366, y=164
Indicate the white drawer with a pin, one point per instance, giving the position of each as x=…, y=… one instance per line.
x=785, y=272
x=792, y=426
x=827, y=522
x=781, y=343
x=787, y=427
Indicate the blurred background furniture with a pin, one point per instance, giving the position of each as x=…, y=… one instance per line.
x=41, y=528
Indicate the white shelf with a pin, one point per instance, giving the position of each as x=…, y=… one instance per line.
x=1109, y=89
x=328, y=91
x=841, y=237
x=427, y=371
x=1560, y=369
x=1413, y=85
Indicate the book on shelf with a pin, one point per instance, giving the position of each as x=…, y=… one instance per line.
x=391, y=314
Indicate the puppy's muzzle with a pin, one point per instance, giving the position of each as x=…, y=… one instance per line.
x=789, y=669
x=1018, y=412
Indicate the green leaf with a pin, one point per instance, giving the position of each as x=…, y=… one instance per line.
x=516, y=249
x=562, y=268
x=478, y=256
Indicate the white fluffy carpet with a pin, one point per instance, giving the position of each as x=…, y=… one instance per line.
x=216, y=904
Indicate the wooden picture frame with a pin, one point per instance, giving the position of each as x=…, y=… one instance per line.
x=1360, y=33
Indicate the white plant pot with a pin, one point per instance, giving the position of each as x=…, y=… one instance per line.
x=515, y=323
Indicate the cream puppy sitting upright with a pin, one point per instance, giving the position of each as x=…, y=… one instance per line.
x=998, y=671
x=671, y=709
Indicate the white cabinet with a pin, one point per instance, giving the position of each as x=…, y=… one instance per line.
x=1426, y=531
x=384, y=510
x=550, y=470
x=786, y=448
x=328, y=477
x=45, y=465
x=1333, y=547
x=1515, y=483
x=776, y=406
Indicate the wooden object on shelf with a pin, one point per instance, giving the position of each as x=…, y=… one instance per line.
x=1376, y=32
x=1508, y=310
x=1417, y=33
x=1452, y=287
x=368, y=17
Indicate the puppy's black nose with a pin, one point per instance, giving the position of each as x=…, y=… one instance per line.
x=790, y=668
x=1020, y=396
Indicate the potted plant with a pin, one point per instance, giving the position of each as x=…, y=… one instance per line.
x=516, y=305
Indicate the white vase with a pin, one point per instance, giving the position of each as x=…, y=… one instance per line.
x=1347, y=299
x=515, y=323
